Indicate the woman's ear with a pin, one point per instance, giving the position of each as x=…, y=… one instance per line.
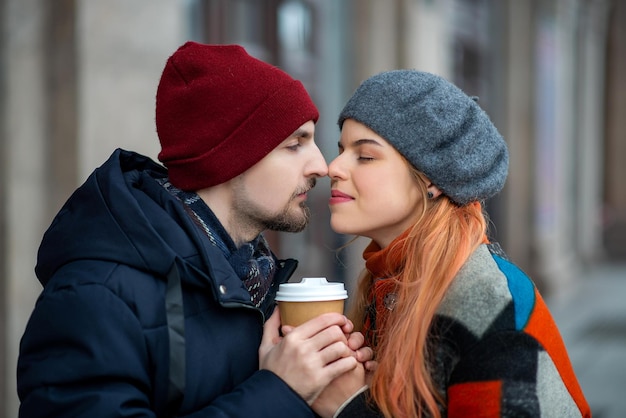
x=433, y=191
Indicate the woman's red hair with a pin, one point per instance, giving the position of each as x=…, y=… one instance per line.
x=438, y=244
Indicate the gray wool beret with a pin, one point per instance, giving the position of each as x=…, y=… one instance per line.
x=439, y=129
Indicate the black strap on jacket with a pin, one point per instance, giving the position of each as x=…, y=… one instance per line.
x=176, y=333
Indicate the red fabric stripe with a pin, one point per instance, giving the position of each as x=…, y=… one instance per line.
x=475, y=399
x=541, y=325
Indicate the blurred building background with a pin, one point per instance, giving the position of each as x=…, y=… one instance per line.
x=78, y=79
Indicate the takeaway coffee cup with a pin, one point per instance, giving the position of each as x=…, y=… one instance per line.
x=313, y=296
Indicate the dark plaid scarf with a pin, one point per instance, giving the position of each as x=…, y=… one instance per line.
x=253, y=261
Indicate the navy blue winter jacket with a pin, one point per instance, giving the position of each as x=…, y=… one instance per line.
x=139, y=316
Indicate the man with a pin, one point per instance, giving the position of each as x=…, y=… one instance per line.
x=158, y=281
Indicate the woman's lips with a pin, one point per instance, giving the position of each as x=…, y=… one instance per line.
x=339, y=197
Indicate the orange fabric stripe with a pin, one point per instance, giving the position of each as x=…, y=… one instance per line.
x=541, y=325
x=475, y=399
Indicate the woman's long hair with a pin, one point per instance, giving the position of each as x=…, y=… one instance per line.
x=440, y=241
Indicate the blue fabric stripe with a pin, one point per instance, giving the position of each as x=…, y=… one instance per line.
x=522, y=289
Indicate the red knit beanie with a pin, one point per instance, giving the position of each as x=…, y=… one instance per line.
x=219, y=111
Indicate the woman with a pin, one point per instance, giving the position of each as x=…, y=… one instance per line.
x=457, y=329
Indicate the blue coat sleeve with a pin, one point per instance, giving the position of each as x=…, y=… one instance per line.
x=263, y=395
x=84, y=354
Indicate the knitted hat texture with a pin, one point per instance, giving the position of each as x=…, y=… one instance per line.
x=219, y=111
x=439, y=129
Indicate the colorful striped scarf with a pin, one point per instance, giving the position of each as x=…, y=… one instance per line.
x=253, y=262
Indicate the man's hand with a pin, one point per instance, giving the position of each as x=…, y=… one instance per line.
x=309, y=356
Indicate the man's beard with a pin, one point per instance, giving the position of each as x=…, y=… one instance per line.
x=289, y=222
x=285, y=221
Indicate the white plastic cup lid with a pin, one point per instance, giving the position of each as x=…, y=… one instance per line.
x=311, y=289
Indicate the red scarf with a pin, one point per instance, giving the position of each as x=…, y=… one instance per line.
x=384, y=264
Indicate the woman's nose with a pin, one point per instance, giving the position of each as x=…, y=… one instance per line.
x=335, y=169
